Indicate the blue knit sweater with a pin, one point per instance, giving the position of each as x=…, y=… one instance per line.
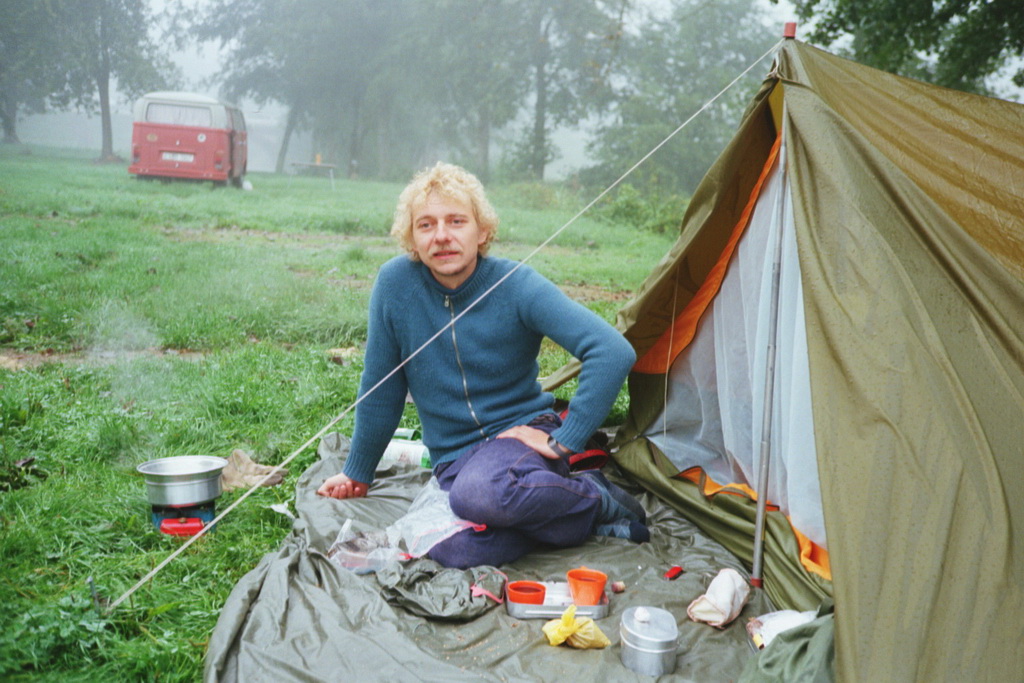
x=479, y=377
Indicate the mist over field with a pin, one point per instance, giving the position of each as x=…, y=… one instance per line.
x=200, y=64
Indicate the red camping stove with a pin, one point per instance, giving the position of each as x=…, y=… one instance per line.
x=184, y=521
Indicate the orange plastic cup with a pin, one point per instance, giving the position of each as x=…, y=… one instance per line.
x=527, y=592
x=586, y=585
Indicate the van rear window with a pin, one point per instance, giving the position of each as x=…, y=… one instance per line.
x=178, y=114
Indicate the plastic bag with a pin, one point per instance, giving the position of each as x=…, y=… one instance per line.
x=362, y=552
x=763, y=629
x=723, y=601
x=581, y=633
x=429, y=521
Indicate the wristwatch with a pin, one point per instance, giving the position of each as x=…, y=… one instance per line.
x=559, y=449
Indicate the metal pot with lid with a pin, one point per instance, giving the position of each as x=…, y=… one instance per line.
x=183, y=480
x=649, y=638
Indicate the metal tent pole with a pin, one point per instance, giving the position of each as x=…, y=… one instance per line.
x=769, y=379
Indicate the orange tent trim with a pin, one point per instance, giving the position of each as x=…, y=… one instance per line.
x=676, y=337
x=813, y=557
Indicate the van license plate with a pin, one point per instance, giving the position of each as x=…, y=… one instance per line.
x=178, y=156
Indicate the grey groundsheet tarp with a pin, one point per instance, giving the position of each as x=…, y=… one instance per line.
x=297, y=616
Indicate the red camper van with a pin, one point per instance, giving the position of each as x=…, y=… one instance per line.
x=184, y=135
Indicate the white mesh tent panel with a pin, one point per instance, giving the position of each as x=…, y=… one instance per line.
x=715, y=393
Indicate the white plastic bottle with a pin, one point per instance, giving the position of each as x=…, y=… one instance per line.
x=404, y=453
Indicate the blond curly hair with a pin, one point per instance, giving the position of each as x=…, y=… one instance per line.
x=451, y=182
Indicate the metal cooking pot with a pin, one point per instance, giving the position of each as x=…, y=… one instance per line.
x=183, y=480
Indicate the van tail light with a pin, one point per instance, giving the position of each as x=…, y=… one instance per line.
x=218, y=160
x=136, y=155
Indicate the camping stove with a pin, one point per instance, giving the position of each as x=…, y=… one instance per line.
x=182, y=490
x=184, y=520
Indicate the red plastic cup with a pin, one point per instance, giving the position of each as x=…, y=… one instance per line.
x=586, y=585
x=526, y=592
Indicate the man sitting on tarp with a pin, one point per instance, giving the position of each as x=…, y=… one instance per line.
x=495, y=443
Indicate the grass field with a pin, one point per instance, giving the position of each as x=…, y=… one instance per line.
x=141, y=320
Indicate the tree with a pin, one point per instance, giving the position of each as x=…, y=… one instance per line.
x=672, y=65
x=28, y=61
x=572, y=47
x=476, y=80
x=261, y=35
x=331, y=62
x=382, y=128
x=101, y=40
x=388, y=85
x=954, y=43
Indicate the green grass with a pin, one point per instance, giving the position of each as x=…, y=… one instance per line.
x=179, y=318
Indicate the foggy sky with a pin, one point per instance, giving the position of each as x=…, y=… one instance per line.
x=199, y=64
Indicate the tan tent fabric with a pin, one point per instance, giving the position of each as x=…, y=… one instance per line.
x=909, y=214
x=959, y=149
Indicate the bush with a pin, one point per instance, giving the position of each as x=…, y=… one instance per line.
x=650, y=212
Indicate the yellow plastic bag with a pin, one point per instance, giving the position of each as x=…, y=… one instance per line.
x=581, y=633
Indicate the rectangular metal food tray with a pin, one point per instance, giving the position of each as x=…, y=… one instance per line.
x=556, y=599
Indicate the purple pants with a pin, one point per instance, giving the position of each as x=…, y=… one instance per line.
x=526, y=500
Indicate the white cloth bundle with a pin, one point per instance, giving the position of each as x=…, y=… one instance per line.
x=723, y=601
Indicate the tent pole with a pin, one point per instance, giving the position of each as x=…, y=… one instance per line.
x=769, y=381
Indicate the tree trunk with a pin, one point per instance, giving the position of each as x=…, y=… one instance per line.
x=107, y=154
x=9, y=120
x=538, y=139
x=483, y=144
x=289, y=128
x=103, y=85
x=355, y=141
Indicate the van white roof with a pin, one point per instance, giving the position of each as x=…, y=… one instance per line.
x=183, y=97
x=218, y=108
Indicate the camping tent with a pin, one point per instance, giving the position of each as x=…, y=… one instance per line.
x=893, y=213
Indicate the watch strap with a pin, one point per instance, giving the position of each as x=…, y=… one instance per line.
x=559, y=449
